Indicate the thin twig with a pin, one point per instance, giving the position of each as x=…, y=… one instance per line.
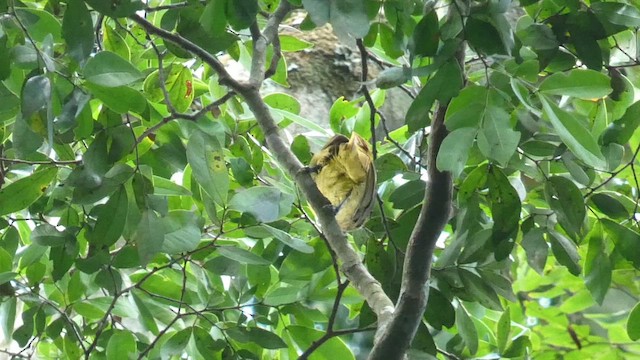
x=42, y=162
x=191, y=117
x=224, y=78
x=277, y=55
x=150, y=9
x=367, y=96
x=615, y=173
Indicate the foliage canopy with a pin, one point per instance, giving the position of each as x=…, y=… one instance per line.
x=145, y=210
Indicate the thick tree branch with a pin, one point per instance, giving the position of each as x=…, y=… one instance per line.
x=394, y=339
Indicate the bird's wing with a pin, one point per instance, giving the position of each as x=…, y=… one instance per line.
x=368, y=198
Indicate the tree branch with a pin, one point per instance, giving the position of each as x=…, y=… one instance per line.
x=40, y=162
x=223, y=75
x=394, y=338
x=191, y=117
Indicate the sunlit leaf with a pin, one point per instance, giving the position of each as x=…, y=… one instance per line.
x=583, y=84
x=22, y=193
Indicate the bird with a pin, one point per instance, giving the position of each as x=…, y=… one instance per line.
x=344, y=173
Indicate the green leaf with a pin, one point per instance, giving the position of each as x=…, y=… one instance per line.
x=468, y=108
x=318, y=10
x=283, y=295
x=285, y=238
x=332, y=349
x=36, y=95
x=518, y=347
x=426, y=35
x=380, y=263
x=120, y=99
x=241, y=255
x=633, y=323
x=149, y=236
x=107, y=69
x=422, y=343
x=265, y=203
x=206, y=158
x=484, y=37
x=9, y=103
x=467, y=329
x=176, y=343
x=480, y=290
x=116, y=8
x=626, y=241
x=621, y=130
x=539, y=37
x=5, y=60
x=40, y=24
x=122, y=342
x=580, y=83
x=48, y=235
x=391, y=77
x=505, y=211
x=114, y=42
x=283, y=101
x=63, y=257
x=408, y=195
x=205, y=343
x=391, y=42
x=213, y=19
x=476, y=179
x=496, y=138
x=301, y=149
x=444, y=85
x=588, y=49
x=565, y=252
x=292, y=43
x=617, y=13
x=77, y=30
x=241, y=13
x=574, y=134
x=348, y=18
x=387, y=166
x=189, y=26
x=299, y=266
x=110, y=220
x=166, y=187
x=178, y=82
x=597, y=266
x=455, y=149
x=24, y=192
x=566, y=200
x=263, y=338
x=536, y=249
x=8, y=316
x=146, y=317
x=439, y=311
x=182, y=231
x=6, y=261
x=305, y=123
x=503, y=328
x=609, y=204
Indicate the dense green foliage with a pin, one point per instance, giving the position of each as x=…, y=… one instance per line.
x=142, y=214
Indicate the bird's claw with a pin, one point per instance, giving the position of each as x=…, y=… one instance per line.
x=332, y=208
x=310, y=169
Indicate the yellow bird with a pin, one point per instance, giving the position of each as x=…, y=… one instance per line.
x=344, y=173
